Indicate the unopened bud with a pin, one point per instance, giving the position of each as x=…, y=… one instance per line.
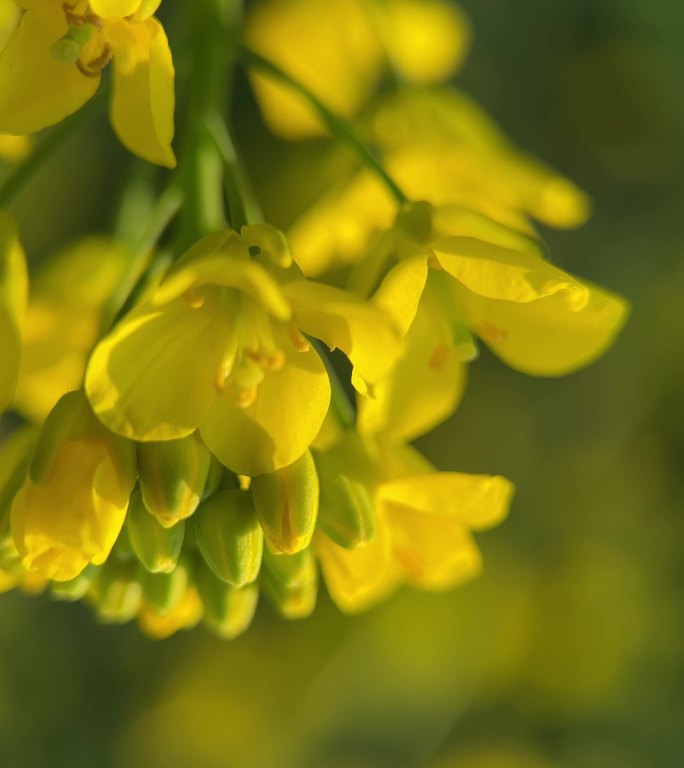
x=157, y=547
x=269, y=241
x=74, y=589
x=227, y=610
x=173, y=475
x=291, y=583
x=287, y=504
x=229, y=536
x=164, y=591
x=116, y=592
x=346, y=511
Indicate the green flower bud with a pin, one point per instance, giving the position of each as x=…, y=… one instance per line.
x=227, y=611
x=164, y=591
x=215, y=478
x=287, y=504
x=346, y=510
x=291, y=583
x=74, y=589
x=156, y=546
x=229, y=536
x=116, y=592
x=173, y=475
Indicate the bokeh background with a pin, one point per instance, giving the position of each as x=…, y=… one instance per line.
x=567, y=652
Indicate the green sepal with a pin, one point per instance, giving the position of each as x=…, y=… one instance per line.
x=287, y=504
x=229, y=536
x=157, y=547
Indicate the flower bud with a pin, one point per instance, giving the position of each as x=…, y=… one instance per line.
x=173, y=475
x=291, y=583
x=156, y=546
x=116, y=592
x=74, y=589
x=72, y=506
x=346, y=511
x=287, y=504
x=229, y=537
x=227, y=610
x=164, y=591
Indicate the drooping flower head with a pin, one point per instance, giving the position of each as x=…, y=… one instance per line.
x=53, y=62
x=221, y=345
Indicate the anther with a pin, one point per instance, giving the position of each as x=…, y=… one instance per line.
x=438, y=357
x=95, y=66
x=245, y=397
x=298, y=341
x=490, y=332
x=193, y=299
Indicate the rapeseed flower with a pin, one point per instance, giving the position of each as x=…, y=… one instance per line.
x=422, y=523
x=52, y=65
x=340, y=50
x=72, y=504
x=479, y=278
x=219, y=345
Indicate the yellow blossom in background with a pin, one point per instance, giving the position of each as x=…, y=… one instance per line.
x=73, y=503
x=52, y=63
x=13, y=296
x=340, y=50
x=63, y=318
x=219, y=345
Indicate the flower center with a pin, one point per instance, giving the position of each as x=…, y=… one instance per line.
x=82, y=45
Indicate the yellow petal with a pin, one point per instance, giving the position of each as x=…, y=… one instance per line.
x=425, y=386
x=400, y=291
x=332, y=48
x=113, y=9
x=476, y=501
x=342, y=320
x=36, y=90
x=359, y=578
x=63, y=321
x=153, y=377
x=547, y=337
x=143, y=102
x=279, y=425
x=435, y=551
x=497, y=272
x=426, y=40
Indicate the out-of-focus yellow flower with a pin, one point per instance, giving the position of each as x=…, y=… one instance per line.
x=14, y=147
x=439, y=146
x=164, y=623
x=62, y=322
x=13, y=293
x=52, y=64
x=219, y=345
x=73, y=503
x=423, y=524
x=339, y=50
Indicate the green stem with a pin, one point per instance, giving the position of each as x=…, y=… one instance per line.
x=337, y=127
x=135, y=274
x=22, y=174
x=340, y=402
x=243, y=205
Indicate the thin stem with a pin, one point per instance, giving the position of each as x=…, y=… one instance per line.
x=135, y=272
x=338, y=127
x=340, y=402
x=22, y=174
x=243, y=205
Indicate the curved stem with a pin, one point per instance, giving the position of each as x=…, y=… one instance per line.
x=338, y=127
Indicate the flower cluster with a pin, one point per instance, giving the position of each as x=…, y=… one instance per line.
x=240, y=418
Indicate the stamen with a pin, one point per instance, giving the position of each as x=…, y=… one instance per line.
x=490, y=332
x=194, y=299
x=245, y=397
x=95, y=66
x=298, y=341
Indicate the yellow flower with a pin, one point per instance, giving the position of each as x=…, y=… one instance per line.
x=340, y=49
x=473, y=275
x=13, y=292
x=62, y=321
x=423, y=524
x=219, y=346
x=439, y=146
x=73, y=503
x=52, y=64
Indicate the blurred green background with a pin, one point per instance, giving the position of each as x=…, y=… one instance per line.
x=567, y=652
